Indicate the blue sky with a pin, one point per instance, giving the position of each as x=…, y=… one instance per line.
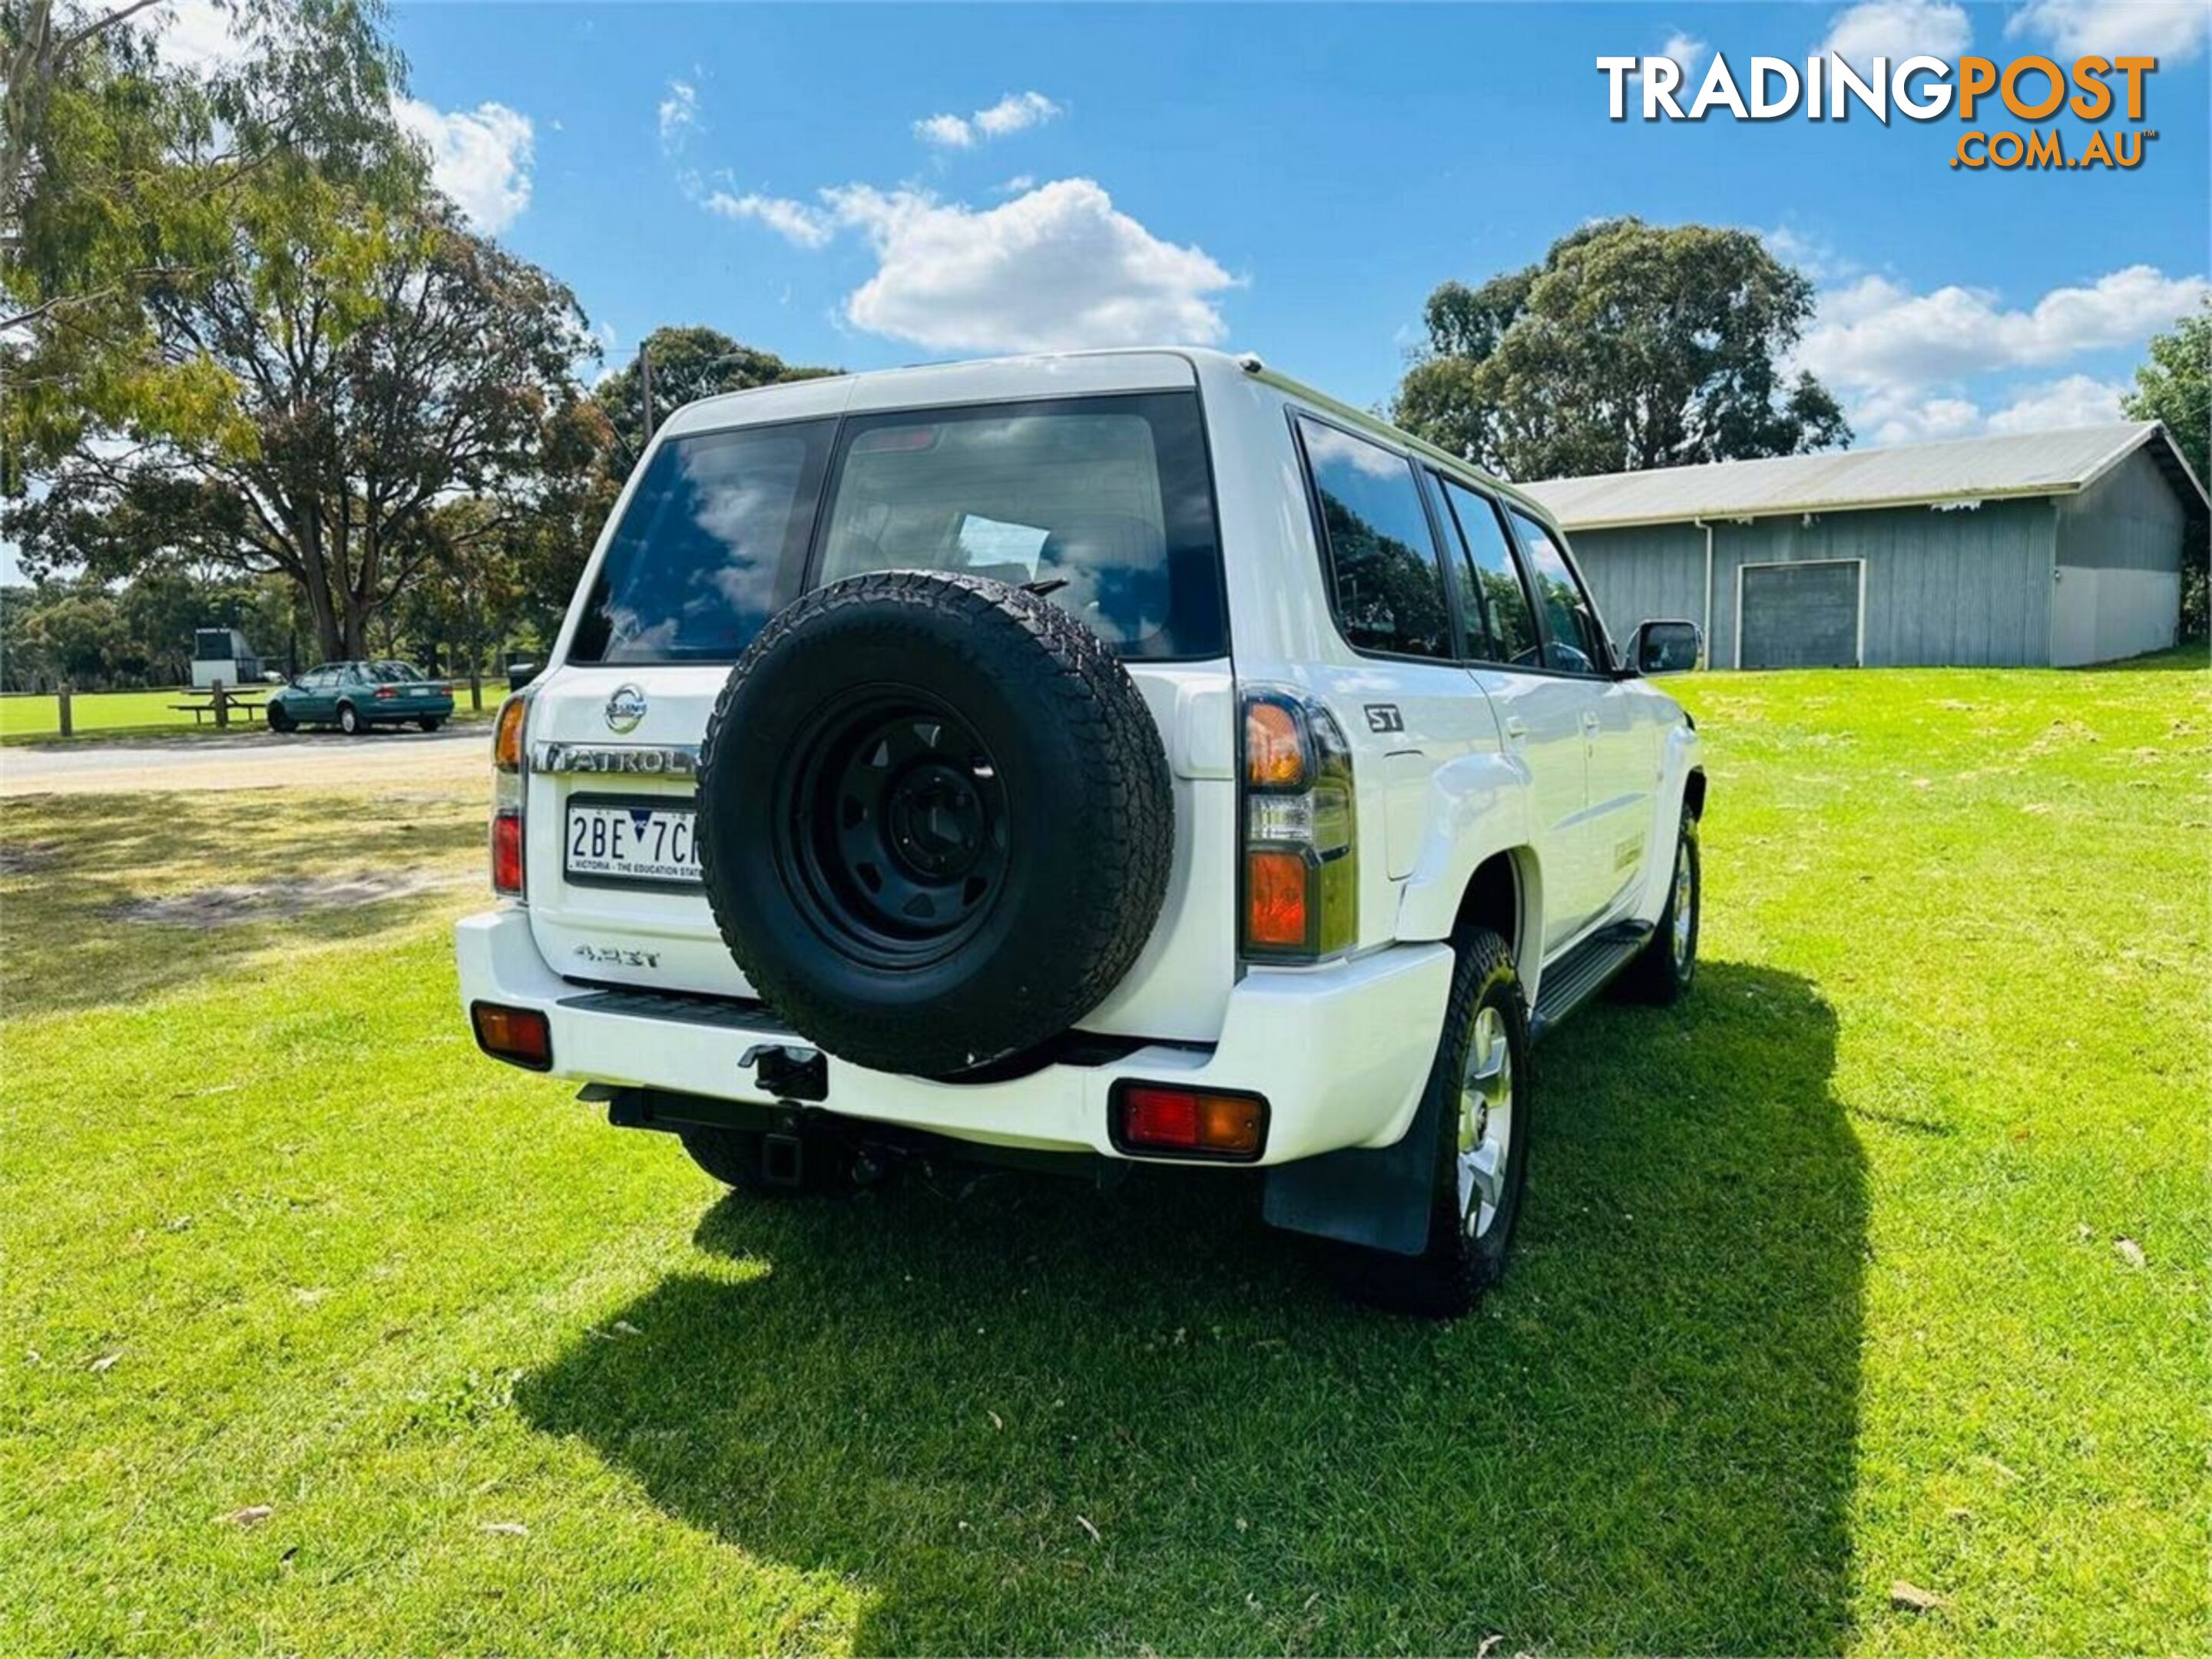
x=1294, y=180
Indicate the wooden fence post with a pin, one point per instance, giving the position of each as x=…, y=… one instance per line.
x=222, y=708
x=68, y=726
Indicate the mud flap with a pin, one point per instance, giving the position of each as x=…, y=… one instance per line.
x=1379, y=1197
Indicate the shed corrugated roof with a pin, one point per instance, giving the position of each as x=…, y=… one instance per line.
x=1958, y=469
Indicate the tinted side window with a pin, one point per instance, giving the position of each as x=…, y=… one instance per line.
x=1500, y=628
x=1575, y=644
x=1389, y=593
x=709, y=548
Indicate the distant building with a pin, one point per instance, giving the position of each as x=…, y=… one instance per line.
x=2046, y=548
x=222, y=653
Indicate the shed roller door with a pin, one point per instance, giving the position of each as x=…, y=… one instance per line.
x=1801, y=616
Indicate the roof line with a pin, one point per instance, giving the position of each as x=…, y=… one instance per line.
x=1783, y=510
x=2128, y=446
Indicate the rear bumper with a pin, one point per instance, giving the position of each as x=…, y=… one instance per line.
x=1341, y=1053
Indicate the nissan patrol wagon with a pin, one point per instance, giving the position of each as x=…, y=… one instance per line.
x=1103, y=758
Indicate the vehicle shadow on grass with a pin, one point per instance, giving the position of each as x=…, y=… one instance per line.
x=1645, y=1442
x=105, y=899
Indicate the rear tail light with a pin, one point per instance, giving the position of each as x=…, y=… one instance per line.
x=508, y=796
x=507, y=852
x=1301, y=872
x=507, y=734
x=520, y=1037
x=385, y=693
x=1189, y=1122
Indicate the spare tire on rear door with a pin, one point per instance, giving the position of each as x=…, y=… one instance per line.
x=934, y=820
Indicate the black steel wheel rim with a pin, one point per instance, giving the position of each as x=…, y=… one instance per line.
x=893, y=830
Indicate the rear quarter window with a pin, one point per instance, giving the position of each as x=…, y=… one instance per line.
x=1384, y=582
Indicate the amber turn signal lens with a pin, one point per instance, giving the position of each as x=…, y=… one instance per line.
x=506, y=735
x=1275, y=884
x=1186, y=1120
x=1274, y=755
x=520, y=1037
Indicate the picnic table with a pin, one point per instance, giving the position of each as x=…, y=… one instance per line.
x=220, y=701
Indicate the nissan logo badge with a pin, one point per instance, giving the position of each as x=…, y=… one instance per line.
x=625, y=708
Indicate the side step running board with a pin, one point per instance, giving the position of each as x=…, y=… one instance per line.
x=1581, y=974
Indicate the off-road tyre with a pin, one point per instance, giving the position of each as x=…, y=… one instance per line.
x=1457, y=1264
x=1666, y=967
x=1030, y=755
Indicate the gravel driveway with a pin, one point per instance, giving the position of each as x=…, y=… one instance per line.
x=256, y=760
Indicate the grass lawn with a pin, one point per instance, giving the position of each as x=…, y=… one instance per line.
x=1881, y=1259
x=27, y=717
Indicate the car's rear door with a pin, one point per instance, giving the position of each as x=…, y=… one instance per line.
x=313, y=702
x=1540, y=712
x=1622, y=742
x=1100, y=498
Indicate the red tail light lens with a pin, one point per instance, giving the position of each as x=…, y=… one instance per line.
x=1276, y=899
x=385, y=693
x=520, y=1037
x=1189, y=1122
x=506, y=853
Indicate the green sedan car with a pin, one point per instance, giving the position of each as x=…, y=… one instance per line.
x=355, y=695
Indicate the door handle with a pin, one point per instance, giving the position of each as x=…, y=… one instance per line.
x=1516, y=727
x=1590, y=721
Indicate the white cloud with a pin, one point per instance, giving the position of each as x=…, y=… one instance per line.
x=1015, y=112
x=795, y=222
x=2173, y=31
x=2077, y=400
x=1811, y=254
x=1686, y=51
x=1873, y=332
x=1897, y=29
x=1891, y=416
x=679, y=114
x=945, y=131
x=195, y=34
x=1020, y=184
x=1056, y=269
x=479, y=157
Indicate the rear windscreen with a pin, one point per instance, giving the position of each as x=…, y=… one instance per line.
x=1103, y=505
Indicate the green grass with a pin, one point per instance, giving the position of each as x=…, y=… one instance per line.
x=28, y=717
x=1819, y=1287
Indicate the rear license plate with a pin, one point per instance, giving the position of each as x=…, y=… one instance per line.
x=621, y=841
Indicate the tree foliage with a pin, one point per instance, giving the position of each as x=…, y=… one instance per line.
x=1629, y=346
x=379, y=364
x=123, y=175
x=309, y=354
x=2175, y=387
x=88, y=634
x=688, y=362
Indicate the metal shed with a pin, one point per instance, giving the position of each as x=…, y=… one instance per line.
x=2041, y=548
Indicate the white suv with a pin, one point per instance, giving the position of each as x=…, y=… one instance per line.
x=1120, y=756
